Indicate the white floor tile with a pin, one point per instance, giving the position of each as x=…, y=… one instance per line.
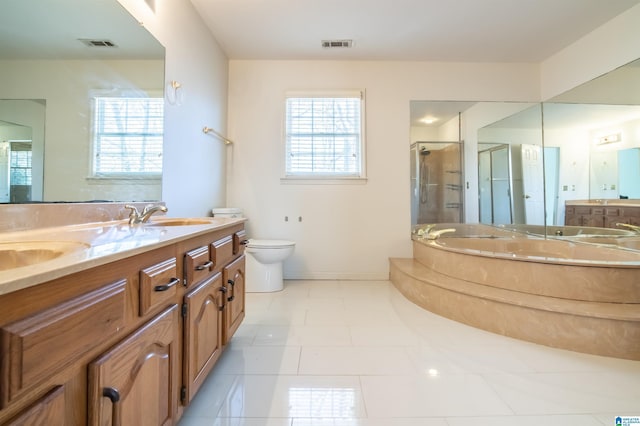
x=294, y=397
x=385, y=335
x=370, y=422
x=348, y=361
x=425, y=396
x=224, y=421
x=295, y=335
x=357, y=353
x=568, y=393
x=571, y=420
x=259, y=360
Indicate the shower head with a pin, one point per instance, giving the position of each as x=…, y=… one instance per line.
x=425, y=152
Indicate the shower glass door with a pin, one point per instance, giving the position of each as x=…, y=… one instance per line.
x=436, y=182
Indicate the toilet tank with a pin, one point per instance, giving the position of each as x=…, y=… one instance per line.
x=226, y=212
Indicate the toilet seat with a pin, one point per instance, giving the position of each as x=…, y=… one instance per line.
x=269, y=244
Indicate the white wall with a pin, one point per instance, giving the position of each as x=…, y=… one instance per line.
x=194, y=175
x=347, y=231
x=607, y=47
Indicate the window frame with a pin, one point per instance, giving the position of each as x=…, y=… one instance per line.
x=117, y=177
x=324, y=177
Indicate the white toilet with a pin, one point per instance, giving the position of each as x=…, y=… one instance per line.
x=264, y=259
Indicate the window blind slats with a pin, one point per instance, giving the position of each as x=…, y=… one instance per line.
x=323, y=136
x=128, y=136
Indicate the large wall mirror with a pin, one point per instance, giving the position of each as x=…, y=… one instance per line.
x=55, y=59
x=532, y=158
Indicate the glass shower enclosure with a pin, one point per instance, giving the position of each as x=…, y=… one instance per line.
x=436, y=182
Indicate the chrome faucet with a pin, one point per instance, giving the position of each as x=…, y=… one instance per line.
x=434, y=235
x=135, y=217
x=634, y=228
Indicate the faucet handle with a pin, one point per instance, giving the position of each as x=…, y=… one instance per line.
x=133, y=214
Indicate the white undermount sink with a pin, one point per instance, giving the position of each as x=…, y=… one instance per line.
x=19, y=254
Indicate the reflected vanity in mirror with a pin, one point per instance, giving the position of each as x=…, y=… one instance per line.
x=55, y=62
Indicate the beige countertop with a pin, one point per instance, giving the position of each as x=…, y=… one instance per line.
x=93, y=244
x=603, y=202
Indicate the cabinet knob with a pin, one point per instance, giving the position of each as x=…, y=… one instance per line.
x=112, y=394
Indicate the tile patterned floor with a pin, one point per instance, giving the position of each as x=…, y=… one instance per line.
x=357, y=353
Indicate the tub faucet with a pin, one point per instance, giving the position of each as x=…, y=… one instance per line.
x=423, y=230
x=135, y=217
x=634, y=228
x=434, y=235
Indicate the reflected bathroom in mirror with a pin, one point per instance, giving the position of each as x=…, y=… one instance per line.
x=596, y=128
x=574, y=174
x=436, y=162
x=55, y=137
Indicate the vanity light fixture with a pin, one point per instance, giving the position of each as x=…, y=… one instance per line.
x=174, y=93
x=613, y=138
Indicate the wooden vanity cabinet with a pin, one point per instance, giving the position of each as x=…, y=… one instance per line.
x=134, y=383
x=128, y=342
x=233, y=276
x=202, y=310
x=601, y=215
x=49, y=410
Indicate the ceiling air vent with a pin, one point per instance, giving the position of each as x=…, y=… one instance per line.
x=330, y=44
x=97, y=43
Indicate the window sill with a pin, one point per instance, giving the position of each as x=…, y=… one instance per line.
x=124, y=180
x=315, y=180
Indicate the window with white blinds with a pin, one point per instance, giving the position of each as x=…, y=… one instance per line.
x=324, y=135
x=128, y=137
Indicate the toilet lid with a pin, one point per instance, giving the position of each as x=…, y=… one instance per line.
x=270, y=243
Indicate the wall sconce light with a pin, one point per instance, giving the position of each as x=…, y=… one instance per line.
x=613, y=138
x=174, y=93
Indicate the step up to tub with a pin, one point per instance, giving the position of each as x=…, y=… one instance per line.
x=600, y=328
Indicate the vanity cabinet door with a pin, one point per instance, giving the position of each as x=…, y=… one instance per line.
x=135, y=383
x=49, y=410
x=202, y=311
x=234, y=280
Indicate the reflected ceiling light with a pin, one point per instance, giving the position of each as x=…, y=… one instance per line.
x=613, y=138
x=429, y=120
x=432, y=372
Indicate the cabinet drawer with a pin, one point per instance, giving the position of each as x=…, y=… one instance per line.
x=197, y=265
x=221, y=252
x=597, y=210
x=158, y=284
x=611, y=211
x=239, y=242
x=630, y=211
x=570, y=210
x=37, y=347
x=583, y=210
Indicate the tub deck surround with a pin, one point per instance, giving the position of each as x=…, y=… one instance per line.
x=520, y=264
x=520, y=287
x=105, y=242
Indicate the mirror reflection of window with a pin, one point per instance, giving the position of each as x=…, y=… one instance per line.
x=127, y=138
x=20, y=160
